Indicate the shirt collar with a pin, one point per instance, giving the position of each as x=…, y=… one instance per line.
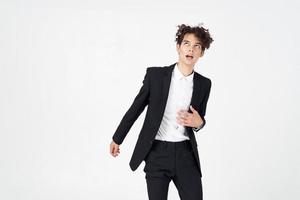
x=178, y=75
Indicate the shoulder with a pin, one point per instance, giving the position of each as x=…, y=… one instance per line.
x=203, y=79
x=159, y=70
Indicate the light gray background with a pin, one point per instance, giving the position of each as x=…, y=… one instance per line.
x=71, y=69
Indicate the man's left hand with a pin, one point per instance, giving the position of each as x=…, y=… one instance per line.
x=185, y=118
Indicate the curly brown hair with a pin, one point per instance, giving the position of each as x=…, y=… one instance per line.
x=200, y=32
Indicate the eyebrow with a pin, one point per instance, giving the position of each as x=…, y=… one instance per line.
x=190, y=42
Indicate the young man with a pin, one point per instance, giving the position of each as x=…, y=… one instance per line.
x=176, y=97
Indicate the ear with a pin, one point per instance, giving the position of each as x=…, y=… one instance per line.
x=177, y=48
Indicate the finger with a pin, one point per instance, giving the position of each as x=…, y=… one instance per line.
x=186, y=123
x=187, y=116
x=182, y=117
x=183, y=113
x=186, y=113
x=179, y=117
x=179, y=121
x=111, y=150
x=180, y=112
x=116, y=150
x=192, y=109
x=183, y=122
x=189, y=119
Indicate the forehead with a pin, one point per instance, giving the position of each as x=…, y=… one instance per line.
x=191, y=38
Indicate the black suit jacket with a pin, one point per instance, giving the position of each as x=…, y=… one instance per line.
x=154, y=93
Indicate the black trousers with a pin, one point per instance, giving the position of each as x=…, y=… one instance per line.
x=174, y=161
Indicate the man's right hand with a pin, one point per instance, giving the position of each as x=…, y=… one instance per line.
x=114, y=149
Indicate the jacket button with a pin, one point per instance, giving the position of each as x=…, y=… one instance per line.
x=151, y=141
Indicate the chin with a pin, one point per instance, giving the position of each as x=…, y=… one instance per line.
x=190, y=63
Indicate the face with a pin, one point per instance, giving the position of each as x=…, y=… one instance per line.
x=189, y=50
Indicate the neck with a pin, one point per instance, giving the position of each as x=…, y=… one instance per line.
x=185, y=69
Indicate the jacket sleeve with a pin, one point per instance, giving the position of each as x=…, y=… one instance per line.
x=140, y=102
x=203, y=105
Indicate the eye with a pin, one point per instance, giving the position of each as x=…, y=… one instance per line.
x=198, y=46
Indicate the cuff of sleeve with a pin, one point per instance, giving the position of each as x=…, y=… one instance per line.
x=198, y=128
x=118, y=142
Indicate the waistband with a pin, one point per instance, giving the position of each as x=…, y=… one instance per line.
x=185, y=143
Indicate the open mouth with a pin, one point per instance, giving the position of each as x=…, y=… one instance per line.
x=189, y=56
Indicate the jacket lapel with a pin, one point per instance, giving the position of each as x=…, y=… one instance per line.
x=195, y=94
x=166, y=84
